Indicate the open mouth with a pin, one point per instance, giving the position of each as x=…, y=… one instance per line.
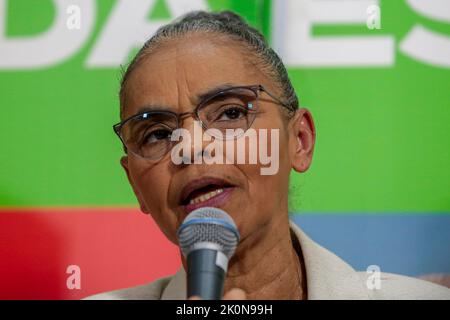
x=205, y=192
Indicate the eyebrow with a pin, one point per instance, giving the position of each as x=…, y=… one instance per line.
x=200, y=97
x=213, y=91
x=151, y=108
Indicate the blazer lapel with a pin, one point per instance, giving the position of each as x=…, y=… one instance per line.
x=327, y=275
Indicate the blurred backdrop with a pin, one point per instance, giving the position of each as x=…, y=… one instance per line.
x=375, y=75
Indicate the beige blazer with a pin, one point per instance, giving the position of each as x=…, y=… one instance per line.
x=327, y=277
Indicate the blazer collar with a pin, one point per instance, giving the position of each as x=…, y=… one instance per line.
x=327, y=275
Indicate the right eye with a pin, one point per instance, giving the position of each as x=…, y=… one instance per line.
x=156, y=136
x=231, y=113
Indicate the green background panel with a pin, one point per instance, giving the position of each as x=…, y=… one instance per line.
x=382, y=133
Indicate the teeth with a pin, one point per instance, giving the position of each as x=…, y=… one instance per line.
x=205, y=196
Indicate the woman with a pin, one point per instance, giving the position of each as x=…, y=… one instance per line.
x=183, y=75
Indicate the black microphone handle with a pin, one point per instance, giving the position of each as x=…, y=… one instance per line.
x=206, y=273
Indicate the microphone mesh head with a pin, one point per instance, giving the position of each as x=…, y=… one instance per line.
x=208, y=224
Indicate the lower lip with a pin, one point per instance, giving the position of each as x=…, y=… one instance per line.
x=216, y=201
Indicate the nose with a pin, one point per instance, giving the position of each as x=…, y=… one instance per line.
x=193, y=146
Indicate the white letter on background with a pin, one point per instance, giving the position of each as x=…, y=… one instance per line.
x=52, y=46
x=293, y=40
x=128, y=27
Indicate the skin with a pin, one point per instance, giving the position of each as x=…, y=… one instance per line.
x=172, y=76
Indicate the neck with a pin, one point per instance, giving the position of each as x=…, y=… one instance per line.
x=266, y=265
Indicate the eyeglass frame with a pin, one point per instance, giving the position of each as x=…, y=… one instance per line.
x=255, y=88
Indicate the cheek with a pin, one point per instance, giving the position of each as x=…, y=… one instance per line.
x=262, y=200
x=266, y=194
x=153, y=185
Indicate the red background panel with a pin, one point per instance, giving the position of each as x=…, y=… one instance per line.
x=114, y=248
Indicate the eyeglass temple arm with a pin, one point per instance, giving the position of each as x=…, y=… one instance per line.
x=290, y=108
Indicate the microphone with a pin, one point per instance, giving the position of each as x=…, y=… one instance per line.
x=208, y=238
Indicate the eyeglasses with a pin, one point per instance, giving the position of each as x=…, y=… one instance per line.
x=148, y=134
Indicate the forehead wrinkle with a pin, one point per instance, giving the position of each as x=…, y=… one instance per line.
x=181, y=81
x=172, y=52
x=187, y=95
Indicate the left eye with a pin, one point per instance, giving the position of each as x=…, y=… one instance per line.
x=232, y=113
x=157, y=135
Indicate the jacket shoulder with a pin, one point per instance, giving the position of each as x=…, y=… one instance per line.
x=150, y=291
x=398, y=287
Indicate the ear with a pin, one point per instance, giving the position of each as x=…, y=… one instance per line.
x=125, y=166
x=303, y=138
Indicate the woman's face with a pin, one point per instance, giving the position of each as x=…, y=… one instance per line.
x=172, y=77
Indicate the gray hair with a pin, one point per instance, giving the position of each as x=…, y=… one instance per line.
x=228, y=24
